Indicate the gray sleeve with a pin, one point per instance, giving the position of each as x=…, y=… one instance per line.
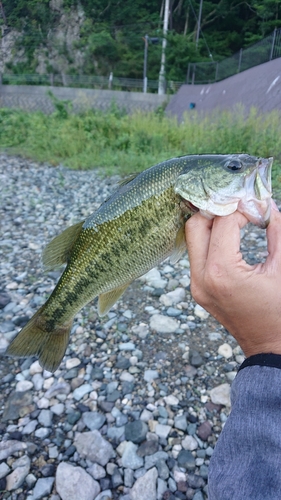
x=246, y=463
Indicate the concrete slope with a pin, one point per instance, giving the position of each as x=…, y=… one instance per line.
x=259, y=87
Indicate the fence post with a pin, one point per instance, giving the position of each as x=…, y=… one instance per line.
x=240, y=60
x=273, y=43
x=217, y=71
x=188, y=73
x=193, y=73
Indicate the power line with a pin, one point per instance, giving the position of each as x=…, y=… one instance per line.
x=192, y=8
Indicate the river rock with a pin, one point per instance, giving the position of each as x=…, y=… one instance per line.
x=220, y=395
x=93, y=447
x=21, y=469
x=163, y=324
x=73, y=483
x=145, y=486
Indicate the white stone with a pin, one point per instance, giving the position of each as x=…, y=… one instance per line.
x=57, y=409
x=127, y=377
x=171, y=400
x=43, y=403
x=146, y=415
x=141, y=330
x=53, y=452
x=179, y=476
x=43, y=488
x=73, y=483
x=145, y=486
x=189, y=443
x=24, y=385
x=239, y=358
x=153, y=278
x=4, y=343
x=163, y=324
x=96, y=471
x=92, y=446
x=231, y=376
x=174, y=297
x=130, y=459
x=35, y=368
x=150, y=375
x=4, y=469
x=133, y=360
x=220, y=395
x=30, y=427
x=72, y=363
x=168, y=269
x=162, y=430
x=225, y=350
x=185, y=281
x=121, y=448
x=12, y=286
x=48, y=380
x=200, y=312
x=81, y=391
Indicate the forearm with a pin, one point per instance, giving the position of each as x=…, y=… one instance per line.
x=246, y=463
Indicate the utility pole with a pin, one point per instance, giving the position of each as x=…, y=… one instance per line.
x=162, y=83
x=199, y=23
x=145, y=64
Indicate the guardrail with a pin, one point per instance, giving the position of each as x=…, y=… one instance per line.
x=86, y=81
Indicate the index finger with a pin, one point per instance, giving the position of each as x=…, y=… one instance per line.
x=198, y=234
x=224, y=247
x=273, y=231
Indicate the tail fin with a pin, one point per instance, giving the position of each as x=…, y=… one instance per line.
x=35, y=340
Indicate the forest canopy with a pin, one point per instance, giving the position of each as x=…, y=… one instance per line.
x=112, y=33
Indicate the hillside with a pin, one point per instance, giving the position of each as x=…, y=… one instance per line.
x=94, y=37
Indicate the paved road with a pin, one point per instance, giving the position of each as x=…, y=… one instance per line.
x=259, y=87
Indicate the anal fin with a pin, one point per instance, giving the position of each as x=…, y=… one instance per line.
x=180, y=245
x=108, y=299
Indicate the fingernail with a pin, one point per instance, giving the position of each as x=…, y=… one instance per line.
x=274, y=206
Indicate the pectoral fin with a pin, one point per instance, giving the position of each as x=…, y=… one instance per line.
x=108, y=299
x=180, y=245
x=59, y=249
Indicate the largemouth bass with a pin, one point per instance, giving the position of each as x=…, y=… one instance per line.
x=138, y=227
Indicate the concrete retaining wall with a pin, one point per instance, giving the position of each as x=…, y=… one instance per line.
x=34, y=98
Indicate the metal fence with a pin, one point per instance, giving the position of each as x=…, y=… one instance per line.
x=263, y=51
x=85, y=81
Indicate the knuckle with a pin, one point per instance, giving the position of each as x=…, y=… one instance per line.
x=198, y=292
x=216, y=280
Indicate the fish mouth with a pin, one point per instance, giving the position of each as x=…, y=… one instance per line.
x=255, y=204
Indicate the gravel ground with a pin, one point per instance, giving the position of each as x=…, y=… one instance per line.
x=137, y=405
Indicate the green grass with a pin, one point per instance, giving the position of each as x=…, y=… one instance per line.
x=118, y=143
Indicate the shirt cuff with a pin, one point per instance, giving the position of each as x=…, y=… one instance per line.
x=263, y=359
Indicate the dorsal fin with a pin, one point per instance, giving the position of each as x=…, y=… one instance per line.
x=127, y=179
x=59, y=249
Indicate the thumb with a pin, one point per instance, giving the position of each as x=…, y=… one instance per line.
x=274, y=240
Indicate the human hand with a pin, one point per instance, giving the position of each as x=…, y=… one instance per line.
x=245, y=299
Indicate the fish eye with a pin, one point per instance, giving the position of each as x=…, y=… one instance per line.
x=234, y=165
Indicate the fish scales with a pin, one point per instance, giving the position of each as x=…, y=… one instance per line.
x=139, y=226
x=119, y=252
